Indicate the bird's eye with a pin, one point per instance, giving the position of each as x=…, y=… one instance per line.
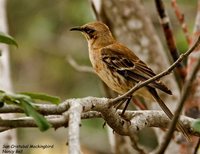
x=89, y=30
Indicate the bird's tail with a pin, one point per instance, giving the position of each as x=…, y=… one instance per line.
x=180, y=125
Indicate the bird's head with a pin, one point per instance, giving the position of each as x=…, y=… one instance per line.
x=95, y=31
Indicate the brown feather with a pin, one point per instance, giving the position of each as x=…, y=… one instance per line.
x=168, y=112
x=130, y=66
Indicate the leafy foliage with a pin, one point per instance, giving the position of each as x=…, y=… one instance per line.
x=196, y=125
x=25, y=101
x=43, y=97
x=5, y=38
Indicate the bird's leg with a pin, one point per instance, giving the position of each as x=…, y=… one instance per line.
x=120, y=103
x=126, y=105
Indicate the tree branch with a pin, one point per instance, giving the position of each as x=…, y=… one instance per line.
x=98, y=107
x=78, y=67
x=185, y=92
x=197, y=147
x=74, y=114
x=56, y=121
x=181, y=18
x=136, y=146
x=180, y=72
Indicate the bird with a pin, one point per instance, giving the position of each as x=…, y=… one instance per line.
x=120, y=68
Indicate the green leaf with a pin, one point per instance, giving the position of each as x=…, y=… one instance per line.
x=196, y=125
x=14, y=98
x=7, y=39
x=42, y=123
x=25, y=102
x=43, y=97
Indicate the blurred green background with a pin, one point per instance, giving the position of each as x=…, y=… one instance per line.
x=41, y=28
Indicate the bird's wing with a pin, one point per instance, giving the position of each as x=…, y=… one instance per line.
x=126, y=63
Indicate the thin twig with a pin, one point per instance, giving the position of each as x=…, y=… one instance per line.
x=181, y=19
x=55, y=121
x=24, y=122
x=44, y=109
x=186, y=90
x=136, y=146
x=80, y=68
x=96, y=14
x=196, y=30
x=169, y=37
x=164, y=73
x=197, y=146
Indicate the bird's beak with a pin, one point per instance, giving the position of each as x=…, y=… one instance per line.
x=76, y=29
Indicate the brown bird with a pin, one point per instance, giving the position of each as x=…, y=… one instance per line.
x=119, y=67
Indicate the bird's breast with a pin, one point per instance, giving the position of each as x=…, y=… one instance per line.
x=112, y=79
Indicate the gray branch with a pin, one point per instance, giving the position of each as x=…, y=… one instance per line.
x=92, y=107
x=74, y=114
